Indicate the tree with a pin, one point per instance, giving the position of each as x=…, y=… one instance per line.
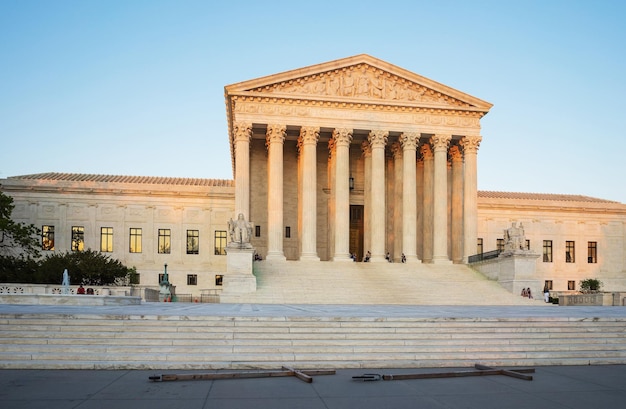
x=85, y=267
x=19, y=246
x=16, y=239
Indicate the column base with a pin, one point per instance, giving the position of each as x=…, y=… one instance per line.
x=412, y=259
x=275, y=257
x=309, y=257
x=441, y=260
x=345, y=257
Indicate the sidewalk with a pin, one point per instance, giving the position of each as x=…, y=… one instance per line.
x=574, y=387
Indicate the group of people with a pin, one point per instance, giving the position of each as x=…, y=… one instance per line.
x=527, y=293
x=81, y=290
x=368, y=256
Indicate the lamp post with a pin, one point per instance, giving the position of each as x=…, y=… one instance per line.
x=165, y=294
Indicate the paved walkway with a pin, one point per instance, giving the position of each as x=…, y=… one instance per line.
x=574, y=387
x=308, y=310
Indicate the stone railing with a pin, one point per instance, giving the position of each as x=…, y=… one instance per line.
x=599, y=299
x=39, y=289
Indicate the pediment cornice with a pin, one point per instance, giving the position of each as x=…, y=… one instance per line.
x=361, y=79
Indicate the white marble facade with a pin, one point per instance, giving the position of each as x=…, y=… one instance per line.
x=348, y=156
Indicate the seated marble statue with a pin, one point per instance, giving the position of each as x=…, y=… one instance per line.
x=240, y=230
x=514, y=238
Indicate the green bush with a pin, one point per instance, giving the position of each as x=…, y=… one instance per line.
x=590, y=285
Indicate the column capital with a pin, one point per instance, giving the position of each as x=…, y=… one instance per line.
x=409, y=140
x=242, y=131
x=440, y=142
x=309, y=135
x=378, y=138
x=342, y=136
x=471, y=143
x=275, y=134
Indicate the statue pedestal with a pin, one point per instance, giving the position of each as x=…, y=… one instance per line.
x=239, y=278
x=517, y=271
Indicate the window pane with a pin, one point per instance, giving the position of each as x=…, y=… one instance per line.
x=106, y=239
x=192, y=279
x=47, y=238
x=135, y=240
x=193, y=241
x=220, y=242
x=570, y=255
x=592, y=252
x=547, y=251
x=78, y=238
x=165, y=236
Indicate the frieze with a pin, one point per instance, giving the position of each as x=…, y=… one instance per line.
x=434, y=117
x=361, y=81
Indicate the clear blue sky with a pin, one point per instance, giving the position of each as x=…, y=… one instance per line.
x=136, y=87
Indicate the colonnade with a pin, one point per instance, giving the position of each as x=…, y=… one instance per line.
x=436, y=236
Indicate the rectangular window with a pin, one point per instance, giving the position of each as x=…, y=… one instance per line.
x=106, y=239
x=547, y=251
x=165, y=241
x=47, y=238
x=479, y=246
x=500, y=245
x=192, y=279
x=135, y=240
x=193, y=241
x=288, y=232
x=527, y=244
x=257, y=231
x=78, y=238
x=592, y=252
x=161, y=277
x=220, y=242
x=571, y=285
x=548, y=284
x=218, y=279
x=570, y=254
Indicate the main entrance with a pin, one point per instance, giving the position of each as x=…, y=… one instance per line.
x=356, y=231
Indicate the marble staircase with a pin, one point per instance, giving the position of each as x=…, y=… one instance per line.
x=302, y=282
x=202, y=342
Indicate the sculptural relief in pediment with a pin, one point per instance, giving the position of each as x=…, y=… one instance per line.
x=361, y=81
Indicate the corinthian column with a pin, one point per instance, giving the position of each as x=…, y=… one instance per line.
x=367, y=196
x=242, y=134
x=396, y=196
x=308, y=142
x=342, y=138
x=470, y=195
x=456, y=207
x=440, y=196
x=378, y=140
x=274, y=140
x=428, y=158
x=409, y=196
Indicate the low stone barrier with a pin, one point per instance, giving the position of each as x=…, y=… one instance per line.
x=68, y=299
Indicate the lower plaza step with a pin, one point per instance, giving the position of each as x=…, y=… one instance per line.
x=106, y=341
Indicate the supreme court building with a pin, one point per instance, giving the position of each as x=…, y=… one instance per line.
x=331, y=161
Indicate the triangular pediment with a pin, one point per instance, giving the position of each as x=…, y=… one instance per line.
x=359, y=78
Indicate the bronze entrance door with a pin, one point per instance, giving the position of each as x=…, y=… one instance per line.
x=356, y=231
